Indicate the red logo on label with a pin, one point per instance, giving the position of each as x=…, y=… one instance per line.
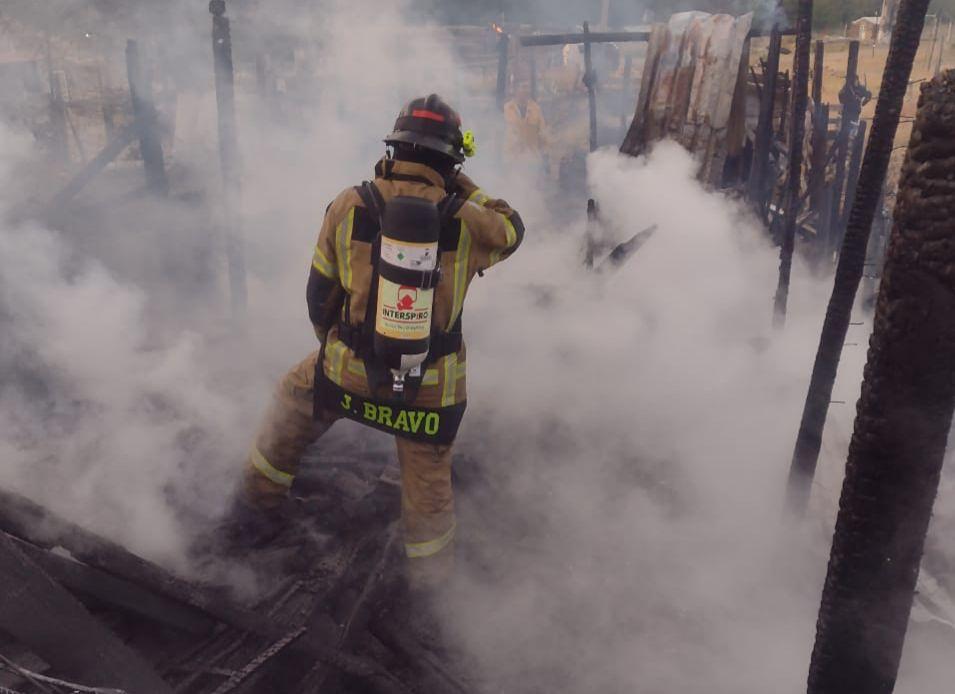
x=407, y=297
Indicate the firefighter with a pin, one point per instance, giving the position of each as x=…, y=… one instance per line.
x=526, y=128
x=347, y=296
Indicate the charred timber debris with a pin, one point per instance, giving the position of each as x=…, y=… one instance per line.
x=79, y=608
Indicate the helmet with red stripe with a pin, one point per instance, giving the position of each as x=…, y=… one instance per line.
x=431, y=123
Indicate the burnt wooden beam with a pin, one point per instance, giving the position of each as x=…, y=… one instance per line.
x=611, y=37
x=585, y=37
x=759, y=187
x=122, y=139
x=590, y=81
x=229, y=155
x=358, y=613
x=626, y=250
x=819, y=156
x=30, y=521
x=42, y=615
x=85, y=581
x=851, y=110
x=852, y=176
x=147, y=121
x=796, y=151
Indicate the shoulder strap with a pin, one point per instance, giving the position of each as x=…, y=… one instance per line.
x=449, y=208
x=372, y=199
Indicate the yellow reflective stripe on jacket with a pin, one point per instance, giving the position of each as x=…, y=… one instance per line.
x=431, y=378
x=357, y=368
x=462, y=262
x=343, y=244
x=450, y=380
x=336, y=361
x=479, y=197
x=261, y=463
x=423, y=550
x=511, y=239
x=321, y=263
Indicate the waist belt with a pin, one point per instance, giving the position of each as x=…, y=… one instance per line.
x=442, y=344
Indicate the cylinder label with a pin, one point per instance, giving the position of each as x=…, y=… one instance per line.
x=410, y=256
x=404, y=313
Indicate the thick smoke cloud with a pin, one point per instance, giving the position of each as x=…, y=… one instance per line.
x=643, y=426
x=633, y=429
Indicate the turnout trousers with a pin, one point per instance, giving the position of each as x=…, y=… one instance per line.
x=427, y=500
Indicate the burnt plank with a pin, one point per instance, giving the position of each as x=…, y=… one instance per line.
x=86, y=581
x=42, y=615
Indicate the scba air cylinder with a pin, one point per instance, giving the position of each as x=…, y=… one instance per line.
x=408, y=271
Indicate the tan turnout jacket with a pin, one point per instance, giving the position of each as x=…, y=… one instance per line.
x=488, y=231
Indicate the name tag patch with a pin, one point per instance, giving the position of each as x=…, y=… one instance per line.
x=432, y=425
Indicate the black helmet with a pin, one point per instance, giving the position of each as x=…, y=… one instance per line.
x=430, y=122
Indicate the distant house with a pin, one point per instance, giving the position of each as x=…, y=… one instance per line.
x=864, y=29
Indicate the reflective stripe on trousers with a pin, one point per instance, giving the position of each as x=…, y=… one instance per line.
x=423, y=550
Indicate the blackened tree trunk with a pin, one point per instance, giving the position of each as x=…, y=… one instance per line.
x=875, y=164
x=902, y=425
x=797, y=136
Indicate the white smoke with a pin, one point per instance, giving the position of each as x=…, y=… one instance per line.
x=645, y=420
x=633, y=429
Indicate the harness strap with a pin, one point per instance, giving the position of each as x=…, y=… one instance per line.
x=360, y=338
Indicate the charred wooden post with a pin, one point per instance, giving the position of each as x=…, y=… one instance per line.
x=851, y=100
x=590, y=236
x=852, y=94
x=39, y=613
x=503, y=51
x=229, y=153
x=590, y=81
x=59, y=135
x=147, y=121
x=852, y=176
x=784, y=115
x=759, y=187
x=895, y=81
x=818, y=72
x=902, y=426
x=819, y=158
x=797, y=135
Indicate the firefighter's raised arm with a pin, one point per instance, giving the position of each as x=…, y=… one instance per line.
x=494, y=226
